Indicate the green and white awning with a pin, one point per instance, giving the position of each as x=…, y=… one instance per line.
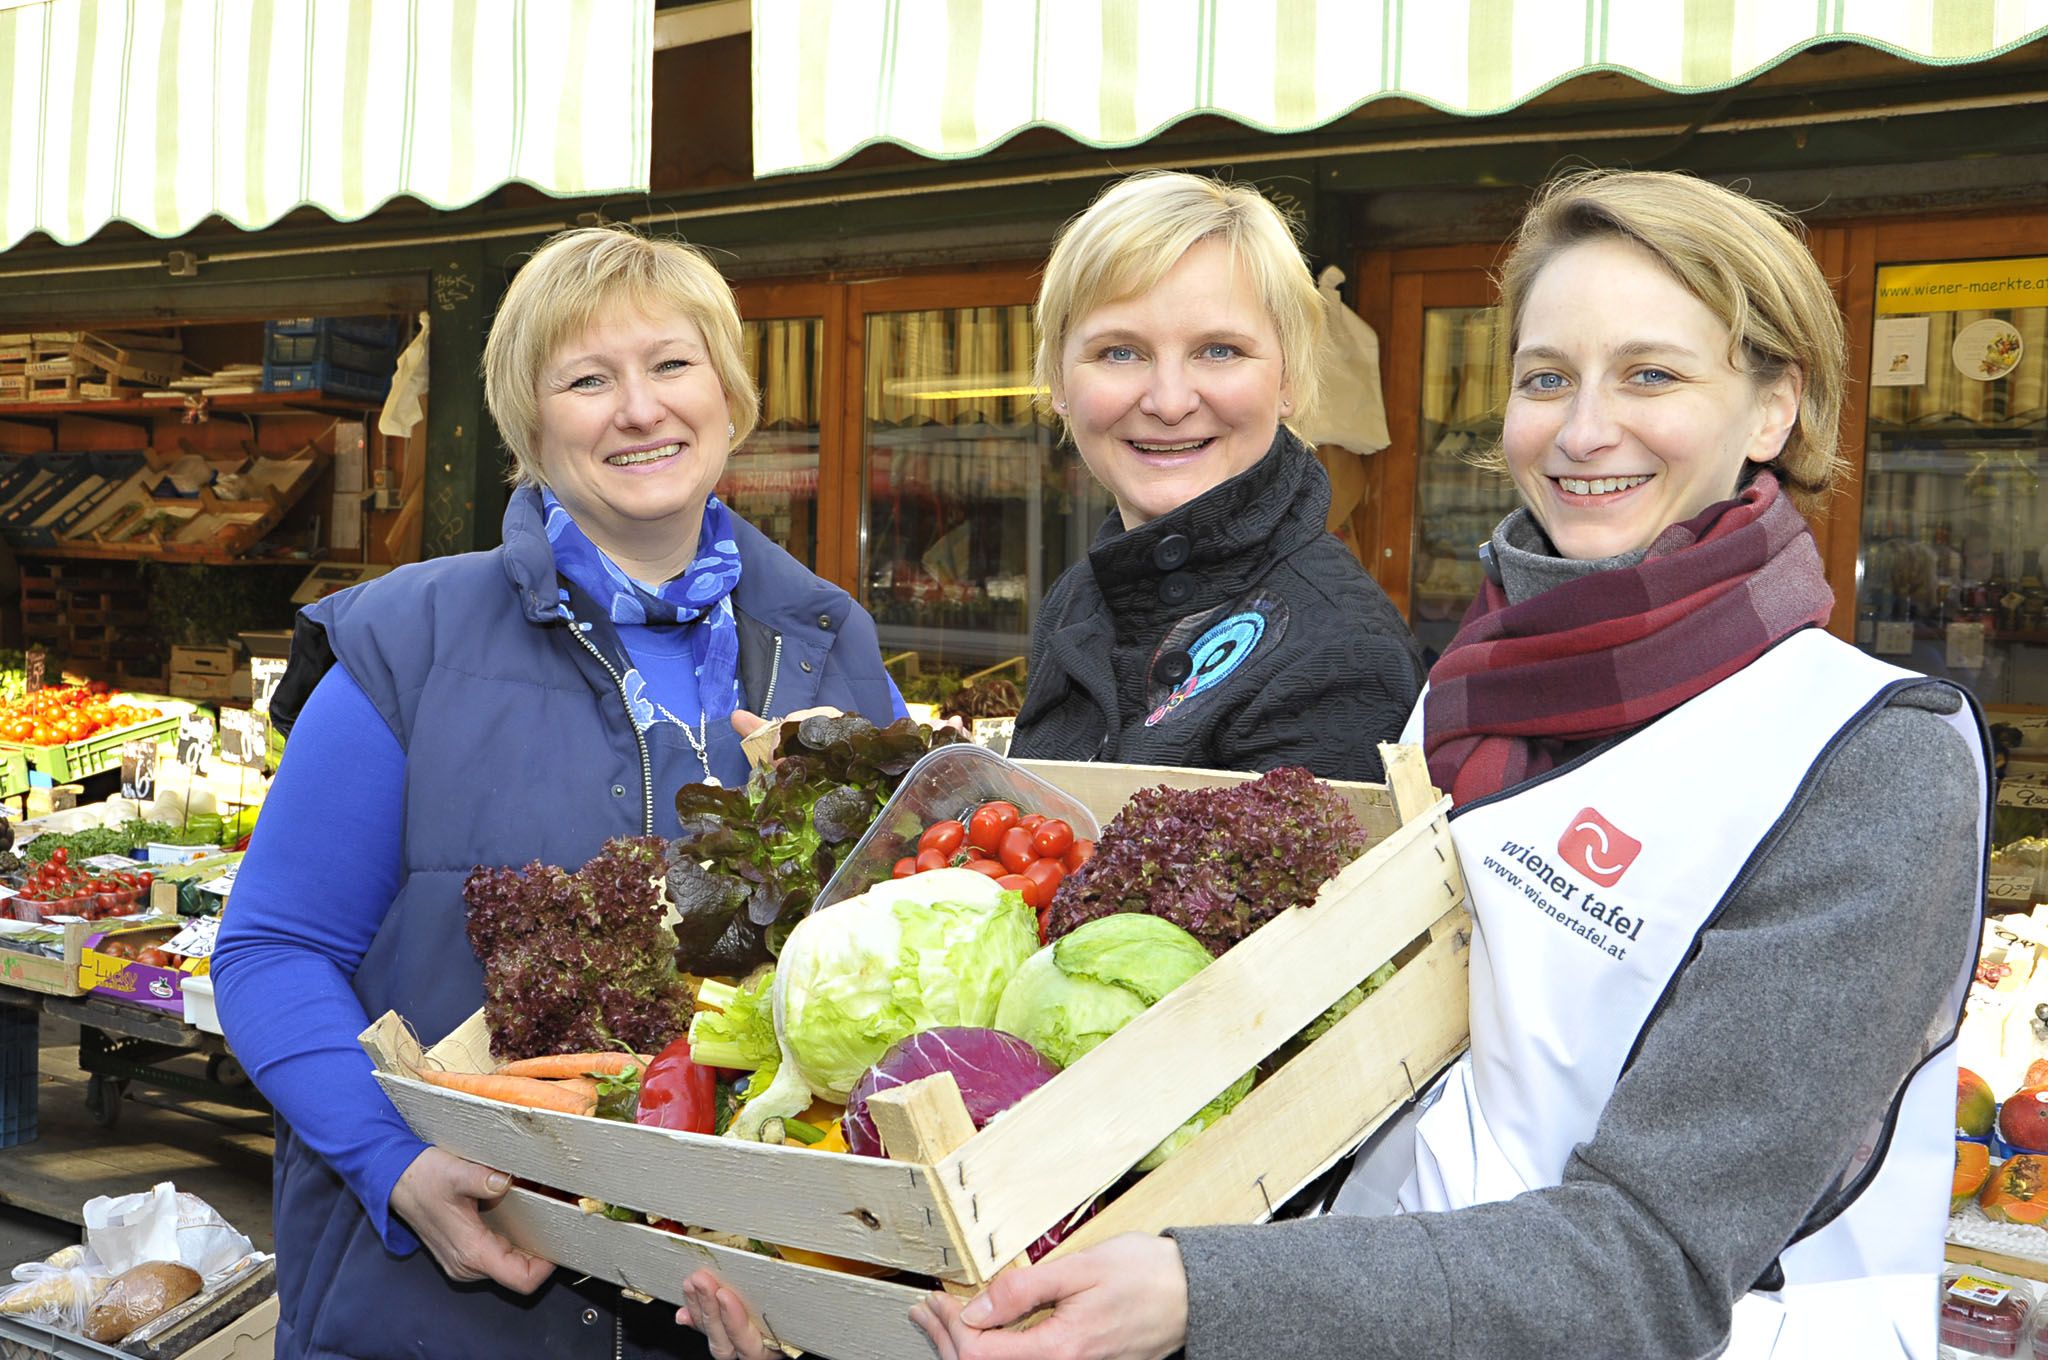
x=163, y=112
x=951, y=78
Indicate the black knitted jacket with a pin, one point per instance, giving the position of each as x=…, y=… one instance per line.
x=1233, y=633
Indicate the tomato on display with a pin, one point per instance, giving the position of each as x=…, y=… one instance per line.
x=986, y=827
x=944, y=837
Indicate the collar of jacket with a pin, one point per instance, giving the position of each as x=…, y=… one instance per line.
x=1206, y=552
x=774, y=589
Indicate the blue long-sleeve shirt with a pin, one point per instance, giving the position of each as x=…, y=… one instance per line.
x=310, y=896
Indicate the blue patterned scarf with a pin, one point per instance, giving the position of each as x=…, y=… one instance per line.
x=702, y=593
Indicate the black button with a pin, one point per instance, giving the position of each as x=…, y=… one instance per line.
x=1173, y=667
x=806, y=665
x=1171, y=553
x=591, y=1317
x=1176, y=589
x=618, y=790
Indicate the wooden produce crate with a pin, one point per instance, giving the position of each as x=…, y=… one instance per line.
x=958, y=1206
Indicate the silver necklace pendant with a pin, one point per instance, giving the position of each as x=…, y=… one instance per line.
x=697, y=742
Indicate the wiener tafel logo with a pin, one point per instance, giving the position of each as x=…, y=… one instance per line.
x=1598, y=848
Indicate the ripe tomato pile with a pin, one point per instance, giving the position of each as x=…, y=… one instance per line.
x=1026, y=854
x=52, y=717
x=75, y=891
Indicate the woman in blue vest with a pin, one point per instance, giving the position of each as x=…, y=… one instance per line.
x=499, y=707
x=1726, y=873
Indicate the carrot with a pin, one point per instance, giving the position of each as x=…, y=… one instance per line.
x=582, y=1086
x=572, y=1065
x=540, y=1095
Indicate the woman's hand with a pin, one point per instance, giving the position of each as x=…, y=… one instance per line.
x=1126, y=1299
x=439, y=1197
x=729, y=1329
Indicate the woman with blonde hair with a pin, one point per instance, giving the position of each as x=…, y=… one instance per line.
x=530, y=702
x=1707, y=1107
x=1214, y=623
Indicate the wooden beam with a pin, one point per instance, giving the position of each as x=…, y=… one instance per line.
x=702, y=23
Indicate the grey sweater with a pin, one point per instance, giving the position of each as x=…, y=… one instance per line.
x=1810, y=998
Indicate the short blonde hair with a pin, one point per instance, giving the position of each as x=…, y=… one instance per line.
x=1745, y=260
x=574, y=278
x=1138, y=228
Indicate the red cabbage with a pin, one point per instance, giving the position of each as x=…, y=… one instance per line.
x=995, y=1070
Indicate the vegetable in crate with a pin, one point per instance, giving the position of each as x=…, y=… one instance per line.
x=994, y=1071
x=1084, y=987
x=1220, y=862
x=578, y=961
x=911, y=954
x=750, y=861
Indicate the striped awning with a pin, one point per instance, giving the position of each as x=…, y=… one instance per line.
x=952, y=78
x=163, y=112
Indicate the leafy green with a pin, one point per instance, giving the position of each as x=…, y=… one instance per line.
x=734, y=1027
x=1085, y=986
x=750, y=861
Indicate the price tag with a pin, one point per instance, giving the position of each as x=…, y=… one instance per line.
x=138, y=770
x=1894, y=639
x=222, y=886
x=195, y=739
x=33, y=666
x=244, y=737
x=195, y=941
x=116, y=864
x=264, y=673
x=2013, y=794
x=2010, y=887
x=995, y=733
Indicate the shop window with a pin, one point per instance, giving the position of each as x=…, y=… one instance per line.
x=771, y=481
x=1457, y=500
x=1949, y=581
x=971, y=505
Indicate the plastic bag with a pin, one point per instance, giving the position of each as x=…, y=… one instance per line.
x=1352, y=412
x=57, y=1292
x=402, y=408
x=161, y=1224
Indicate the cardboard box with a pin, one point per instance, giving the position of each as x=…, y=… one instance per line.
x=201, y=686
x=203, y=660
x=963, y=1207
x=130, y=980
x=60, y=976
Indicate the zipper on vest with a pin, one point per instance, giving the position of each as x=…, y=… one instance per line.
x=774, y=674
x=646, y=765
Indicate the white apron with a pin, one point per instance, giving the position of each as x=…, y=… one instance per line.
x=1591, y=885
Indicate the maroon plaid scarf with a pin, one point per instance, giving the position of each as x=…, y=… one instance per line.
x=1608, y=652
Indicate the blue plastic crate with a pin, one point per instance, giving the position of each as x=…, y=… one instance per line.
x=18, y=1035
x=370, y=330
x=322, y=376
x=338, y=350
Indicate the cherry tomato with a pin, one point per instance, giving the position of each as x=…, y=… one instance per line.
x=1014, y=883
x=993, y=868
x=676, y=1093
x=1041, y=881
x=944, y=837
x=61, y=855
x=986, y=827
x=1033, y=822
x=1077, y=855
x=1015, y=850
x=928, y=860
x=1052, y=840
x=905, y=867
x=1045, y=926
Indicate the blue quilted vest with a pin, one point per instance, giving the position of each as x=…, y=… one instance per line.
x=518, y=748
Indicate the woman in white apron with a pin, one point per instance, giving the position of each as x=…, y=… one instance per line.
x=1726, y=873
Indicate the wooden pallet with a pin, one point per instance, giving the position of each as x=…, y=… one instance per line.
x=961, y=1208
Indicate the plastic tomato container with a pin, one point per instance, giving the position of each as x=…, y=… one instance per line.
x=949, y=783
x=1985, y=1311
x=41, y=909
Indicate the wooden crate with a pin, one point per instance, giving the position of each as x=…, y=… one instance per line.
x=960, y=1210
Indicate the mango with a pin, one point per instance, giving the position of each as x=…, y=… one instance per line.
x=1976, y=1107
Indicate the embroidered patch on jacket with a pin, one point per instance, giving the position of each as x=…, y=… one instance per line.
x=1219, y=647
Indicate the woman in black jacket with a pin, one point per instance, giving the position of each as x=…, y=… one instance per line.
x=1215, y=624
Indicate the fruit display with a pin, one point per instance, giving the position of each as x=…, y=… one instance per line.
x=1973, y=1168
x=1026, y=853
x=1976, y=1107
x=58, y=887
x=2016, y=1191
x=2023, y=1119
x=68, y=713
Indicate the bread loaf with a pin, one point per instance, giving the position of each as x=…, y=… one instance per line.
x=136, y=1296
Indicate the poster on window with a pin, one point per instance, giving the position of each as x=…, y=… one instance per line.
x=1898, y=352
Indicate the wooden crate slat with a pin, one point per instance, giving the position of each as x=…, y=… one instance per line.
x=1026, y=1170
x=825, y=1313
x=862, y=1207
x=1287, y=1131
